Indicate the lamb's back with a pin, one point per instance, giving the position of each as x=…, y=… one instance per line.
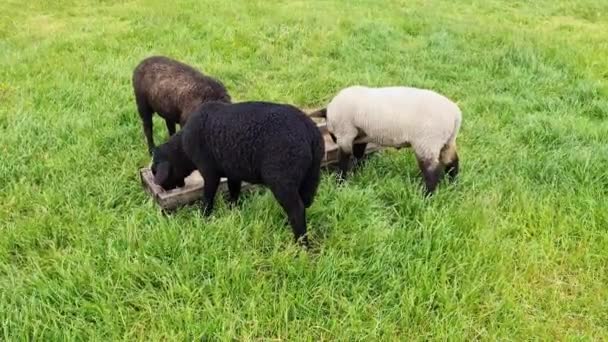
x=171, y=87
x=243, y=137
x=393, y=115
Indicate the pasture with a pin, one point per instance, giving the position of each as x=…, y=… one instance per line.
x=517, y=248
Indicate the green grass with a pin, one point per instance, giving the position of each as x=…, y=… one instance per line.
x=516, y=249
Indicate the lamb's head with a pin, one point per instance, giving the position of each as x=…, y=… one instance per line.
x=322, y=113
x=170, y=167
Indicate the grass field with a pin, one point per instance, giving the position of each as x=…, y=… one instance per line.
x=516, y=249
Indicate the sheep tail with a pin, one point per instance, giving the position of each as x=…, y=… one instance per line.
x=321, y=113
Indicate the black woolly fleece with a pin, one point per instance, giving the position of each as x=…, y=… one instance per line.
x=257, y=142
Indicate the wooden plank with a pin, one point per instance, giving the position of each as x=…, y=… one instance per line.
x=192, y=191
x=175, y=198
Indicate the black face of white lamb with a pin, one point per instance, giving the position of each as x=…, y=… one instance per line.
x=173, y=90
x=256, y=142
x=344, y=160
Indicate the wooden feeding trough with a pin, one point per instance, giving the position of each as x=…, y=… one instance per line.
x=193, y=189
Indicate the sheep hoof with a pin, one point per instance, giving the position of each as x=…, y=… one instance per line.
x=206, y=212
x=341, y=177
x=303, y=242
x=232, y=202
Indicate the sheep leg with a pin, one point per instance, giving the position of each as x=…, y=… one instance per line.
x=170, y=126
x=145, y=112
x=343, y=163
x=431, y=172
x=345, y=141
x=452, y=168
x=234, y=189
x=359, y=152
x=309, y=185
x=449, y=157
x=212, y=181
x=292, y=204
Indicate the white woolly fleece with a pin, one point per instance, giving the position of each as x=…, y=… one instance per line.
x=394, y=116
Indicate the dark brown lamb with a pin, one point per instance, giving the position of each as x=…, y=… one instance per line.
x=173, y=90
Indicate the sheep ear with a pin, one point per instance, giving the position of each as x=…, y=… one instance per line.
x=321, y=113
x=162, y=173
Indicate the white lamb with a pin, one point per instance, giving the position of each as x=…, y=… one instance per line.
x=396, y=117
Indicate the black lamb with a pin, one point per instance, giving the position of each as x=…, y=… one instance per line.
x=173, y=90
x=257, y=142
